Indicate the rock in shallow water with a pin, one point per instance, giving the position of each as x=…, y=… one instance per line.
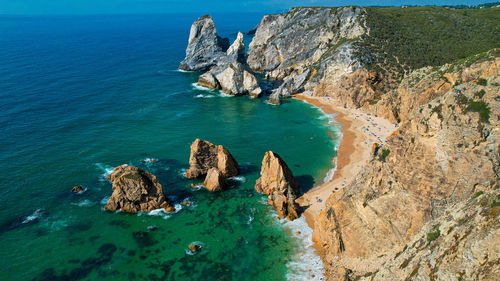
x=205, y=155
x=278, y=183
x=214, y=180
x=135, y=190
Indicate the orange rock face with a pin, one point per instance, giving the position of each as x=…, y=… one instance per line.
x=214, y=180
x=205, y=155
x=135, y=190
x=278, y=183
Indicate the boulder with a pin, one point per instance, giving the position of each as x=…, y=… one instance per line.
x=205, y=155
x=194, y=248
x=77, y=189
x=214, y=181
x=205, y=48
x=274, y=98
x=237, y=79
x=135, y=190
x=278, y=183
x=208, y=80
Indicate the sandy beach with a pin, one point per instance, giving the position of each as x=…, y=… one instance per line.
x=360, y=131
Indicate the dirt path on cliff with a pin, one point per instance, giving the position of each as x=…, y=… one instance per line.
x=360, y=131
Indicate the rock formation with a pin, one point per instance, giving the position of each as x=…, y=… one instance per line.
x=205, y=155
x=205, y=48
x=214, y=181
x=135, y=190
x=77, y=189
x=300, y=46
x=225, y=65
x=274, y=98
x=277, y=182
x=444, y=154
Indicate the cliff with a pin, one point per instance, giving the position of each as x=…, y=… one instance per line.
x=426, y=204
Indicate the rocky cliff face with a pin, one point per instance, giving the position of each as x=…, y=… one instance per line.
x=135, y=190
x=205, y=48
x=277, y=182
x=300, y=46
x=422, y=181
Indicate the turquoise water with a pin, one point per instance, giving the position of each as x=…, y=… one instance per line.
x=81, y=95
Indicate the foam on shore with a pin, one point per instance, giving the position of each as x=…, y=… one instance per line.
x=305, y=263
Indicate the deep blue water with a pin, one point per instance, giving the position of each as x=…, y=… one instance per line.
x=80, y=95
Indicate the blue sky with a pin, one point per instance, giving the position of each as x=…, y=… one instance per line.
x=185, y=6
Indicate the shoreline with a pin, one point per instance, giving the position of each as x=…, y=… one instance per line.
x=359, y=131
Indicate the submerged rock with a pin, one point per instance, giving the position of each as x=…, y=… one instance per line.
x=194, y=248
x=278, y=183
x=214, y=180
x=77, y=189
x=135, y=190
x=205, y=155
x=205, y=48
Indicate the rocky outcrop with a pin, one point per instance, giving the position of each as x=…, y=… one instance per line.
x=225, y=65
x=205, y=155
x=205, y=48
x=403, y=215
x=300, y=46
x=231, y=73
x=274, y=98
x=277, y=182
x=236, y=79
x=77, y=189
x=135, y=190
x=214, y=181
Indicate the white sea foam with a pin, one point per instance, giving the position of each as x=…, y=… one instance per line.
x=84, y=203
x=330, y=173
x=149, y=160
x=222, y=94
x=36, y=215
x=201, y=88
x=158, y=213
x=104, y=200
x=183, y=71
x=305, y=263
x=200, y=96
x=241, y=179
x=107, y=170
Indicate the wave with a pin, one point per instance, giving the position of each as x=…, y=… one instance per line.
x=106, y=169
x=222, y=94
x=240, y=179
x=183, y=71
x=305, y=264
x=33, y=217
x=201, y=88
x=200, y=96
x=84, y=203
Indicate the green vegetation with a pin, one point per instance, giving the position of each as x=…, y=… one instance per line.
x=482, y=108
x=479, y=94
x=434, y=234
x=477, y=194
x=384, y=154
x=475, y=106
x=482, y=82
x=403, y=39
x=495, y=202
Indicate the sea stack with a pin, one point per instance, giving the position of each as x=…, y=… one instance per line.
x=205, y=48
x=277, y=182
x=135, y=190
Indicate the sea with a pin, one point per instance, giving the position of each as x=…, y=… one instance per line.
x=80, y=95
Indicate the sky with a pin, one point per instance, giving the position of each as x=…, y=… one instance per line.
x=72, y=7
